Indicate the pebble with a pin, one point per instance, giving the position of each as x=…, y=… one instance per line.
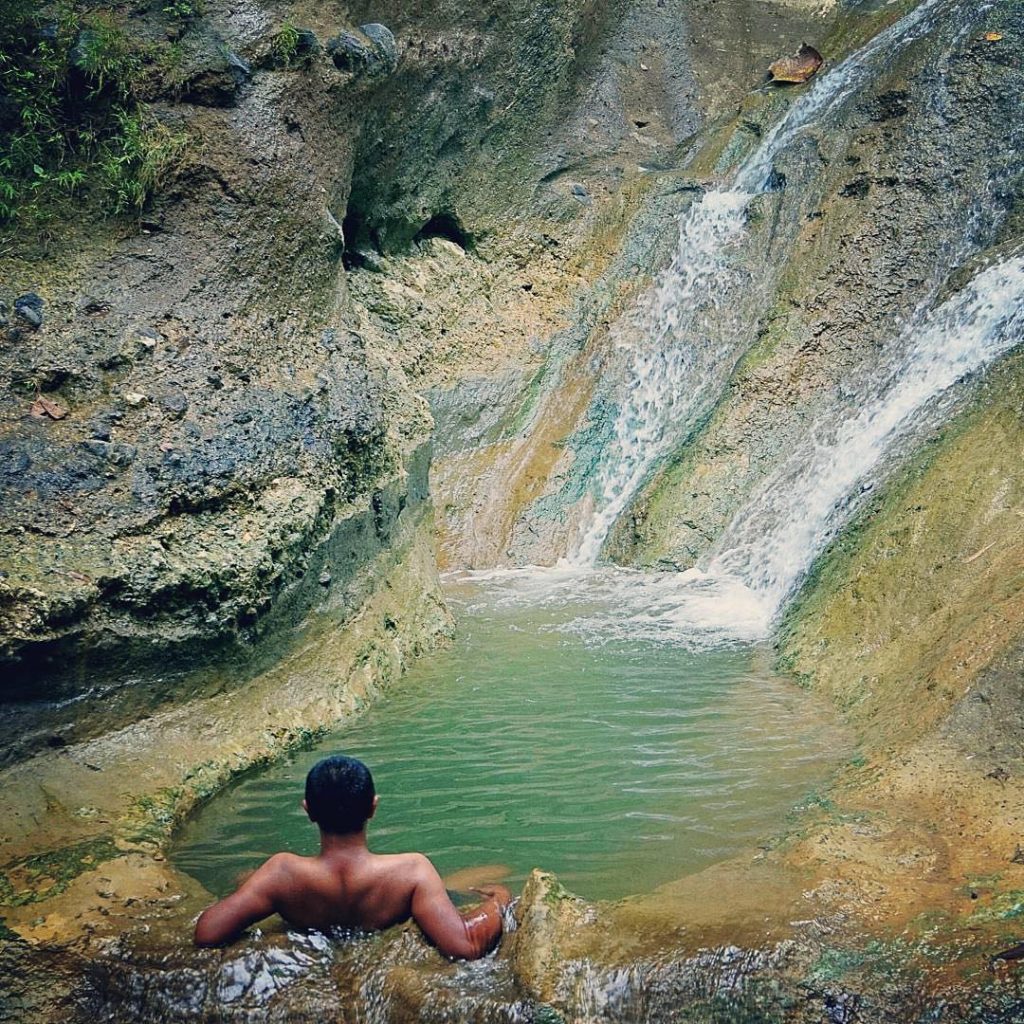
x=29, y=307
x=135, y=399
x=174, y=403
x=372, y=50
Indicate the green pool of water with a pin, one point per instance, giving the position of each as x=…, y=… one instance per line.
x=619, y=764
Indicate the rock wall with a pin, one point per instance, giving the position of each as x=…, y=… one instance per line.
x=906, y=617
x=209, y=425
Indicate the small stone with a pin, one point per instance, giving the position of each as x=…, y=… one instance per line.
x=91, y=306
x=371, y=50
x=580, y=194
x=174, y=404
x=29, y=307
x=95, y=447
x=384, y=43
x=143, y=341
x=135, y=399
x=121, y=454
x=325, y=578
x=100, y=428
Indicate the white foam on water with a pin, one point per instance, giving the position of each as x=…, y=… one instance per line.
x=604, y=604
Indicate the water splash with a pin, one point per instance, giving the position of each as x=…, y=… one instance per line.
x=680, y=348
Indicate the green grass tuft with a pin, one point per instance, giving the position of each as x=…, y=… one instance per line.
x=70, y=120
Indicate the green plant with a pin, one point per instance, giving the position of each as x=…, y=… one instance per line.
x=183, y=10
x=286, y=43
x=138, y=159
x=70, y=122
x=105, y=55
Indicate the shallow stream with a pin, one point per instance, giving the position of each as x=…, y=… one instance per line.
x=557, y=733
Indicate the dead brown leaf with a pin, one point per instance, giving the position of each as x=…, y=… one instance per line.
x=46, y=407
x=798, y=68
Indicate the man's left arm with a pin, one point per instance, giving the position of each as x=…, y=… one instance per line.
x=253, y=901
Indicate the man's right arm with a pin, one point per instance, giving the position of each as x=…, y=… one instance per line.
x=464, y=935
x=253, y=901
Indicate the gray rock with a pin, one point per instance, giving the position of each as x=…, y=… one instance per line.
x=29, y=307
x=580, y=194
x=174, y=404
x=215, y=74
x=384, y=43
x=371, y=50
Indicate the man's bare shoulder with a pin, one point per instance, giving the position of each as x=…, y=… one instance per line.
x=414, y=866
x=282, y=867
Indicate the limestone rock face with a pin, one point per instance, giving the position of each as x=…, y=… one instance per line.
x=195, y=426
x=855, y=240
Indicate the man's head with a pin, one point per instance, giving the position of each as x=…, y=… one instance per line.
x=340, y=797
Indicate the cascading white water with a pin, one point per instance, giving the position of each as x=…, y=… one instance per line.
x=678, y=357
x=675, y=371
x=738, y=591
x=773, y=539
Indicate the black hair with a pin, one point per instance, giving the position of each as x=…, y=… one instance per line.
x=339, y=794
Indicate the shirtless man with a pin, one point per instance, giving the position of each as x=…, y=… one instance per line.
x=346, y=884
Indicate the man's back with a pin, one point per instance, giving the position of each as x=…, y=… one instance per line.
x=347, y=885
x=356, y=888
x=373, y=891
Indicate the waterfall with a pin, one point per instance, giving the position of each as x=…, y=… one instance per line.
x=741, y=585
x=677, y=368
x=775, y=536
x=678, y=354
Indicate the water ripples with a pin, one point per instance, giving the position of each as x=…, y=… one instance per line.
x=617, y=763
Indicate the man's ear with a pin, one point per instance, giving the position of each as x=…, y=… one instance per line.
x=305, y=807
x=373, y=809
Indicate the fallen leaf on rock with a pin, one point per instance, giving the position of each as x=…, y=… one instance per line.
x=993, y=37
x=798, y=68
x=44, y=407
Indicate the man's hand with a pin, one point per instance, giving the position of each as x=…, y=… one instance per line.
x=464, y=935
x=498, y=893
